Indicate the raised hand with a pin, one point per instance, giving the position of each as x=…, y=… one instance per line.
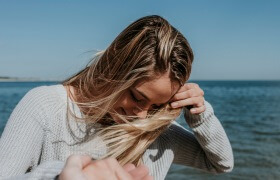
x=189, y=95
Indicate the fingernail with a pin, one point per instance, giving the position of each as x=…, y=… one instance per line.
x=193, y=110
x=174, y=104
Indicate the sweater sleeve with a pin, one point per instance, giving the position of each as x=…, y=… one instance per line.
x=22, y=138
x=48, y=170
x=207, y=147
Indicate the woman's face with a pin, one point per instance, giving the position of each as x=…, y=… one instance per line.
x=145, y=96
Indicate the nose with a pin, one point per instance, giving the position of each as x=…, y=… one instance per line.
x=141, y=113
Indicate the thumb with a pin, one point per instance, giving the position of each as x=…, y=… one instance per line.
x=129, y=167
x=85, y=160
x=79, y=161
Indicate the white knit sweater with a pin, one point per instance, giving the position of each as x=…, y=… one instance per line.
x=37, y=138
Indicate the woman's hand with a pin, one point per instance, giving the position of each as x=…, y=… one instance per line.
x=189, y=95
x=84, y=168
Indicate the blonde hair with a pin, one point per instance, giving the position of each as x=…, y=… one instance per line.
x=147, y=48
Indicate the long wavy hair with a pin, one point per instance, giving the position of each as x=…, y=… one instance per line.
x=147, y=48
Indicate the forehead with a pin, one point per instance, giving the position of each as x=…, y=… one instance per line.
x=158, y=90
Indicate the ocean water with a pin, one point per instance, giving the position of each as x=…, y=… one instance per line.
x=248, y=110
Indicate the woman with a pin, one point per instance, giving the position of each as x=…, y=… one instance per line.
x=121, y=106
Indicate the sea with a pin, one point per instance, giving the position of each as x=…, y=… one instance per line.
x=248, y=110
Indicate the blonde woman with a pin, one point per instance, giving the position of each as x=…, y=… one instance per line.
x=120, y=110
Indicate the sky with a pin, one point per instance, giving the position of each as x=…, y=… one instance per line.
x=231, y=39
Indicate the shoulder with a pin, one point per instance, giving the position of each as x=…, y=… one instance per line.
x=42, y=103
x=47, y=94
x=47, y=91
x=43, y=98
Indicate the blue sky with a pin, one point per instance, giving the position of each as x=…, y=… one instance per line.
x=231, y=39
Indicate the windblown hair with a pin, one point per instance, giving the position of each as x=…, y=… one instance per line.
x=146, y=49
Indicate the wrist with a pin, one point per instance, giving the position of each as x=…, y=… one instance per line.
x=195, y=120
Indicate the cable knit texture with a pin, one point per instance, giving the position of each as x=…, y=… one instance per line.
x=36, y=140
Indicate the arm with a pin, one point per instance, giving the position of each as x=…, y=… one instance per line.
x=21, y=145
x=21, y=141
x=82, y=167
x=207, y=148
x=46, y=170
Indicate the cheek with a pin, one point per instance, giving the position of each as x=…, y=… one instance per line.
x=125, y=102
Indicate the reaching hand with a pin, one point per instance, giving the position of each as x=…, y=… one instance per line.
x=84, y=168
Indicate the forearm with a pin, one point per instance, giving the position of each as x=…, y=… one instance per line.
x=212, y=138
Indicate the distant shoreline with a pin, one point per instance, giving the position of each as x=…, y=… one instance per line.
x=56, y=80
x=27, y=80
x=17, y=79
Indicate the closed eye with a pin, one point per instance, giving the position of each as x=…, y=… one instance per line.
x=133, y=97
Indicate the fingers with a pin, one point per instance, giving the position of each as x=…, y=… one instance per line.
x=188, y=86
x=85, y=160
x=186, y=94
x=190, y=95
x=140, y=172
x=106, y=169
x=136, y=173
x=148, y=178
x=196, y=101
x=79, y=161
x=74, y=167
x=198, y=110
x=118, y=169
x=187, y=91
x=129, y=167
